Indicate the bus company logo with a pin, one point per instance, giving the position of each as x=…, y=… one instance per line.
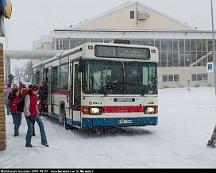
x=125, y=121
x=95, y=103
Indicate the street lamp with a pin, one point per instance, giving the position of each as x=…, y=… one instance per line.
x=213, y=41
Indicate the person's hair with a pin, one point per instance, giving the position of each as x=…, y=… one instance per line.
x=9, y=85
x=35, y=87
x=13, y=93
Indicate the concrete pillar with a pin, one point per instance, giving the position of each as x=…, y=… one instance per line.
x=2, y=105
x=7, y=65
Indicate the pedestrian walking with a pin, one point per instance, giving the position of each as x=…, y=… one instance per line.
x=32, y=120
x=17, y=116
x=32, y=114
x=212, y=140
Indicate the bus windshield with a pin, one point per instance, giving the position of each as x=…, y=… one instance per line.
x=114, y=77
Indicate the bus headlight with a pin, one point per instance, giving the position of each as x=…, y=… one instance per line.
x=150, y=110
x=95, y=111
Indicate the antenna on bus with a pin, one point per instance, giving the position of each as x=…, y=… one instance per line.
x=119, y=41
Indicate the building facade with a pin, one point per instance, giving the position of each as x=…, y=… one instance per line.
x=184, y=52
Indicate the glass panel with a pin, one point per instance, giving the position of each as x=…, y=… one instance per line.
x=193, y=45
x=64, y=77
x=108, y=77
x=204, y=45
x=182, y=61
x=163, y=59
x=181, y=46
x=176, y=78
x=175, y=59
x=194, y=77
x=199, y=45
x=210, y=45
x=193, y=58
x=187, y=60
x=163, y=45
x=170, y=78
x=175, y=45
x=157, y=44
x=164, y=78
x=131, y=14
x=170, y=61
x=77, y=88
x=205, y=76
x=103, y=77
x=169, y=45
x=55, y=79
x=188, y=46
x=199, y=77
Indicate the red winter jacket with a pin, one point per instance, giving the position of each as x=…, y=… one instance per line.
x=33, y=107
x=14, y=103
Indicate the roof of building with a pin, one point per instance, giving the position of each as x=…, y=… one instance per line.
x=85, y=24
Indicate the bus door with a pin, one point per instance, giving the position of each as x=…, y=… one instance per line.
x=71, y=72
x=49, y=83
x=76, y=106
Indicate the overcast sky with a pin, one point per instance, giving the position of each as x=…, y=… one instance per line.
x=33, y=18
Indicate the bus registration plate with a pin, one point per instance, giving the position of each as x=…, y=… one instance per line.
x=124, y=99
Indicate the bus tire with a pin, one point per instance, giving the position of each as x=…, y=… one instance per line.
x=62, y=118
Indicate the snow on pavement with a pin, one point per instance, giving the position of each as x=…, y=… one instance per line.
x=186, y=121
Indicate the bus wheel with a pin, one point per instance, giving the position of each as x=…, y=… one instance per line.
x=63, y=119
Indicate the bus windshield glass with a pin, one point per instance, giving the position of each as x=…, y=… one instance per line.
x=114, y=77
x=122, y=52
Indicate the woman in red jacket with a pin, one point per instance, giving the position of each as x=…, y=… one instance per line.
x=17, y=116
x=32, y=114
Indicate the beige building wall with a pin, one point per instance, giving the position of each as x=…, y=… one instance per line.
x=2, y=103
x=120, y=20
x=185, y=75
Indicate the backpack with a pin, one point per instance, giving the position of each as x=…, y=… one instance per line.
x=21, y=105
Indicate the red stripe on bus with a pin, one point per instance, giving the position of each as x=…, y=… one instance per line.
x=121, y=109
x=60, y=92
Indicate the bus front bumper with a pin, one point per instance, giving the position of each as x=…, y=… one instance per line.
x=119, y=122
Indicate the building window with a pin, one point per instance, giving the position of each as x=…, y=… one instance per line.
x=194, y=77
x=200, y=77
x=131, y=14
x=176, y=78
x=164, y=78
x=171, y=78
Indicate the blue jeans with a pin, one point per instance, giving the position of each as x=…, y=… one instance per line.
x=29, y=134
x=8, y=108
x=17, y=117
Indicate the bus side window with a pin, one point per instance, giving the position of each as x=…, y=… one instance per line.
x=77, y=88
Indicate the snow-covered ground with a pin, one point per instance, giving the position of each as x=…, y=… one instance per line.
x=187, y=119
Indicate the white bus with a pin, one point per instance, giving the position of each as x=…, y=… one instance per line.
x=102, y=85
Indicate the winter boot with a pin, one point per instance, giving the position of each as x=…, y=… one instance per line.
x=211, y=143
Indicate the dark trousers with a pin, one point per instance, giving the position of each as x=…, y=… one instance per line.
x=17, y=117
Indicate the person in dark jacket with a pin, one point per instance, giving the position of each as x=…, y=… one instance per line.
x=32, y=113
x=212, y=141
x=43, y=96
x=17, y=116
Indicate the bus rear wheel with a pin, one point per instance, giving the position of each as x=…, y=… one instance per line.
x=63, y=119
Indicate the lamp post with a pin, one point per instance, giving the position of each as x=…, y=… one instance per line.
x=213, y=41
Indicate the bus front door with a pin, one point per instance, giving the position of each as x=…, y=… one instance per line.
x=76, y=106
